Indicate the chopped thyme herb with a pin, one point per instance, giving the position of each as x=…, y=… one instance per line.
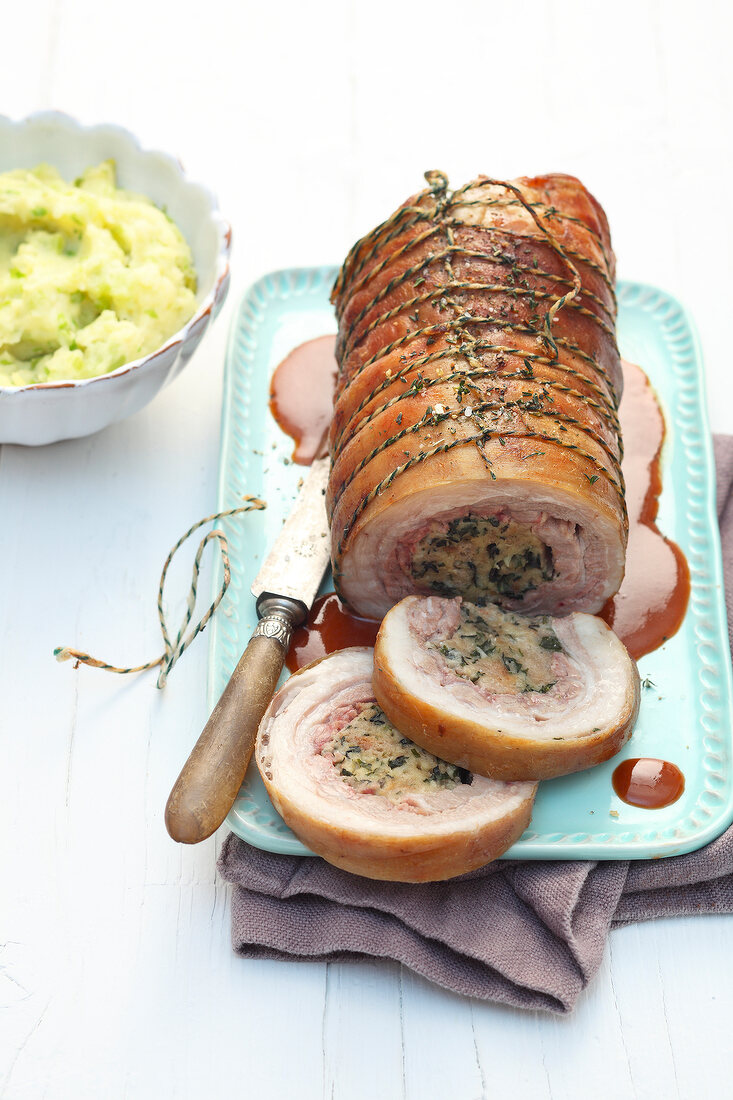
x=363, y=754
x=472, y=555
x=488, y=644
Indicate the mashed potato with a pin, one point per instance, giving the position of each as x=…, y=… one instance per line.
x=91, y=277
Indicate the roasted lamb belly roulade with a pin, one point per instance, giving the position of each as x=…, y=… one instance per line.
x=364, y=797
x=475, y=439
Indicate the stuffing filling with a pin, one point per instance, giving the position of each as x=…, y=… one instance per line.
x=501, y=651
x=372, y=757
x=480, y=556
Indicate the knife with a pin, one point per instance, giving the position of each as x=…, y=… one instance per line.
x=285, y=589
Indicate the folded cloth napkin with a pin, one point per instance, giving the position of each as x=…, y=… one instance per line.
x=528, y=934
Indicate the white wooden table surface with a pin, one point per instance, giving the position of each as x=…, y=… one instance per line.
x=311, y=121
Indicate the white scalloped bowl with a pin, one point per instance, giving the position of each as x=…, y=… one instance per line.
x=49, y=411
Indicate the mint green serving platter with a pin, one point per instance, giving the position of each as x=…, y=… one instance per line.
x=685, y=717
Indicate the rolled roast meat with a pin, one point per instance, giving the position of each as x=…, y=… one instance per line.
x=505, y=695
x=475, y=438
x=366, y=798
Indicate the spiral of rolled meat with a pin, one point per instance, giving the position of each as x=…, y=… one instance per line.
x=503, y=694
x=363, y=796
x=475, y=439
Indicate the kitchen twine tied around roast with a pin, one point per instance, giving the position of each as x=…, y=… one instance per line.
x=173, y=650
x=438, y=183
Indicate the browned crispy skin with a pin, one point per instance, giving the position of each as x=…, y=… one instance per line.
x=445, y=307
x=405, y=859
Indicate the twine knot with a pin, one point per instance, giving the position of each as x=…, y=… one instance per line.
x=436, y=180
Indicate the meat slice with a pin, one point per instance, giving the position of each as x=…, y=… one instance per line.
x=364, y=797
x=475, y=439
x=505, y=695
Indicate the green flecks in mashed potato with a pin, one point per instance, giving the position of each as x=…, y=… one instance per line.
x=91, y=277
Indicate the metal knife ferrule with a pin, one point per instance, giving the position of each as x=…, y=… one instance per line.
x=278, y=617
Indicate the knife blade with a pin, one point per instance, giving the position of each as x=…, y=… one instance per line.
x=296, y=563
x=284, y=589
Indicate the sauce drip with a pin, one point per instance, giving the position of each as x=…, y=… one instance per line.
x=647, y=782
x=301, y=397
x=330, y=626
x=651, y=603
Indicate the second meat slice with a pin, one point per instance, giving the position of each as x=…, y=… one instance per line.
x=505, y=695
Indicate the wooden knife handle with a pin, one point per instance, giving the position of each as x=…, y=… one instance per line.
x=205, y=790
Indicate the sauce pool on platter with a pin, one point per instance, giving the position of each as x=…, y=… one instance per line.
x=330, y=627
x=652, y=601
x=301, y=397
x=647, y=782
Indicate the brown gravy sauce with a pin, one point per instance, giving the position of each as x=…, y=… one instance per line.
x=652, y=601
x=647, y=782
x=301, y=397
x=330, y=626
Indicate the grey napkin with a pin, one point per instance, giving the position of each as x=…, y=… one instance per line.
x=528, y=934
